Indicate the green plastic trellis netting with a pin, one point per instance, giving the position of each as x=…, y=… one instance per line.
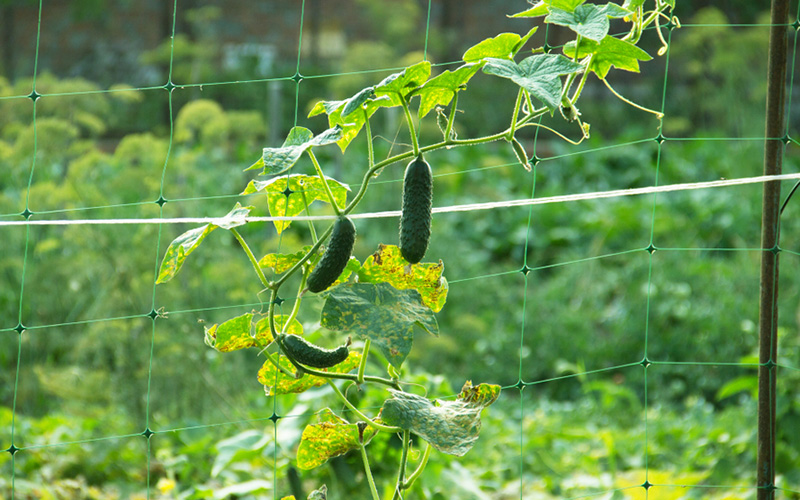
x=622, y=329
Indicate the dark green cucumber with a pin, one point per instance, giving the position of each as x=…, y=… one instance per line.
x=306, y=353
x=333, y=262
x=415, y=221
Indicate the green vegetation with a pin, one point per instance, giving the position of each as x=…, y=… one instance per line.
x=107, y=356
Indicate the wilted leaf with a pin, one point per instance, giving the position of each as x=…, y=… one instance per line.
x=285, y=194
x=276, y=382
x=388, y=265
x=182, y=246
x=539, y=74
x=331, y=437
x=449, y=426
x=379, y=312
x=503, y=46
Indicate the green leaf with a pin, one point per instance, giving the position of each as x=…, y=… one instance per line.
x=615, y=11
x=632, y=4
x=403, y=83
x=609, y=52
x=243, y=446
x=282, y=262
x=745, y=383
x=451, y=427
x=379, y=312
x=320, y=493
x=278, y=160
x=182, y=246
x=441, y=89
x=503, y=46
x=388, y=265
x=589, y=21
x=352, y=125
x=281, y=205
x=543, y=7
x=539, y=74
x=275, y=382
x=331, y=437
x=357, y=100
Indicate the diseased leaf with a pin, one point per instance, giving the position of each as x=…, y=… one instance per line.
x=589, y=21
x=539, y=74
x=441, y=89
x=278, y=160
x=231, y=335
x=388, y=265
x=282, y=262
x=276, y=382
x=503, y=46
x=609, y=52
x=330, y=437
x=543, y=7
x=352, y=124
x=285, y=194
x=449, y=426
x=264, y=335
x=182, y=246
x=380, y=312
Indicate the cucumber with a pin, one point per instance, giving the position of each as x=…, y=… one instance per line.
x=306, y=353
x=335, y=258
x=415, y=221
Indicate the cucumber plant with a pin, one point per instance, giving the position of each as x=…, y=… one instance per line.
x=395, y=293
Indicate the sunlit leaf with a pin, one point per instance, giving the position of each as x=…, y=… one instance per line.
x=539, y=74
x=182, y=246
x=282, y=262
x=285, y=194
x=379, y=312
x=503, y=46
x=589, y=21
x=350, y=125
x=388, y=265
x=263, y=334
x=357, y=100
x=330, y=437
x=238, y=333
x=278, y=160
x=276, y=382
x=403, y=83
x=542, y=7
x=439, y=91
x=449, y=426
x=610, y=51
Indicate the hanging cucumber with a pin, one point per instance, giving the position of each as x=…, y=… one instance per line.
x=306, y=353
x=415, y=221
x=333, y=262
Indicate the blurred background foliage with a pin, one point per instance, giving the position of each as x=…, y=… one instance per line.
x=107, y=356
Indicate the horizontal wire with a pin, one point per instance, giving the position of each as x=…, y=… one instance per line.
x=469, y=207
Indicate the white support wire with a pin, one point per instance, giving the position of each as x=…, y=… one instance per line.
x=469, y=207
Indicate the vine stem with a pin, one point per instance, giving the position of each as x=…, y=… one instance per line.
x=366, y=419
x=411, y=129
x=452, y=118
x=585, y=77
x=631, y=103
x=363, y=364
x=277, y=284
x=403, y=460
x=253, y=260
x=514, y=115
x=310, y=222
x=421, y=467
x=370, y=146
x=368, y=472
x=324, y=182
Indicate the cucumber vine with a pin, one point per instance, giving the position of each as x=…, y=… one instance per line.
x=392, y=297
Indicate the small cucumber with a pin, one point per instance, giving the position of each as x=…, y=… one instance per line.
x=415, y=221
x=306, y=353
x=335, y=258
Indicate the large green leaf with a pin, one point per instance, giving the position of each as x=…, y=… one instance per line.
x=278, y=160
x=352, y=123
x=330, y=437
x=182, y=246
x=609, y=52
x=380, y=312
x=388, y=265
x=503, y=46
x=539, y=74
x=441, y=89
x=589, y=21
x=402, y=84
x=275, y=382
x=543, y=7
x=449, y=426
x=285, y=194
